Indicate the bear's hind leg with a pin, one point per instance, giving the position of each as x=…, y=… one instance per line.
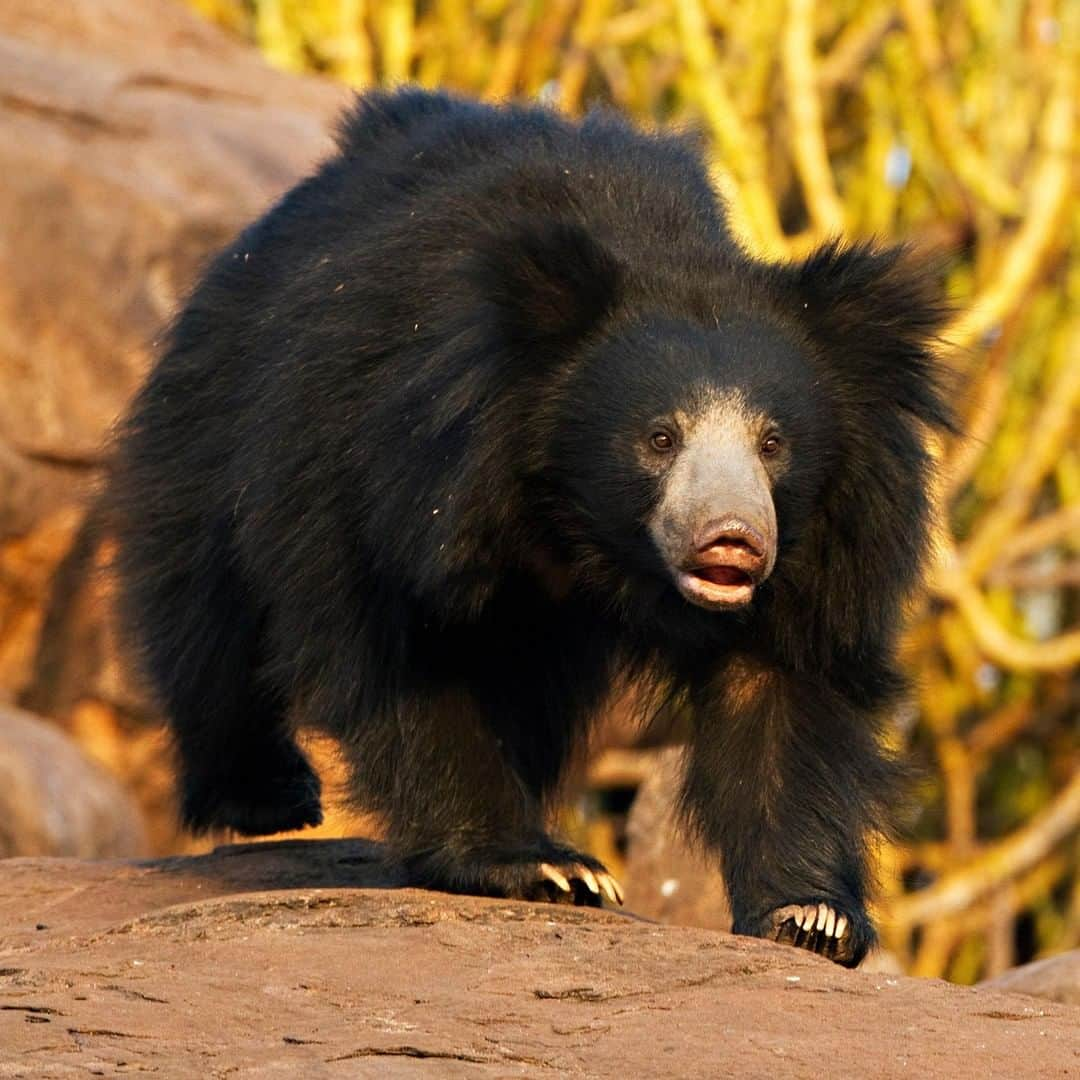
x=239, y=766
x=269, y=787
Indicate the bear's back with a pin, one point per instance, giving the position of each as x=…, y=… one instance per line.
x=424, y=172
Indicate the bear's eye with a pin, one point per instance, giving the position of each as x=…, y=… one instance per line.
x=771, y=445
x=662, y=441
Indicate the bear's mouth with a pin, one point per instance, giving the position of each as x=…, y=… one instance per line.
x=723, y=577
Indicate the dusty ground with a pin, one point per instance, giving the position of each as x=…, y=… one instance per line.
x=298, y=959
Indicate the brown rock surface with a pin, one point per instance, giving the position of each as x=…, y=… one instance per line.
x=297, y=959
x=135, y=139
x=55, y=801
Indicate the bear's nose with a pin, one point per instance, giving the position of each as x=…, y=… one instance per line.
x=734, y=533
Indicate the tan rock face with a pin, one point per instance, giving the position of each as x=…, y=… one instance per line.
x=135, y=139
x=301, y=959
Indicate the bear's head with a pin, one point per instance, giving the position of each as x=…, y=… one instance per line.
x=684, y=450
x=715, y=430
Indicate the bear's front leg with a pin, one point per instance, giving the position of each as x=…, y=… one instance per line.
x=463, y=799
x=787, y=781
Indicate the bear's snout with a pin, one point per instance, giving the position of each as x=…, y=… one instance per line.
x=734, y=534
x=716, y=523
x=731, y=558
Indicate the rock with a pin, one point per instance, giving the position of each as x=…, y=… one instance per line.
x=665, y=877
x=134, y=140
x=302, y=959
x=1056, y=978
x=55, y=801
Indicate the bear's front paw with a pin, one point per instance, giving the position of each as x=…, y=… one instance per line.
x=827, y=929
x=539, y=871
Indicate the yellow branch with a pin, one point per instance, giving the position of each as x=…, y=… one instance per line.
x=631, y=25
x=510, y=53
x=356, y=64
x=276, y=38
x=1052, y=528
x=395, y=31
x=1000, y=645
x=983, y=419
x=963, y=157
x=739, y=154
x=930, y=961
x=1001, y=727
x=1048, y=197
x=1006, y=860
x=807, y=129
x=1051, y=432
x=858, y=41
x=590, y=22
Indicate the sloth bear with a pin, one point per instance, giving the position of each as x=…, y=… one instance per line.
x=492, y=414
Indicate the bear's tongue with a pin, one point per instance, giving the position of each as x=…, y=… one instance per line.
x=723, y=575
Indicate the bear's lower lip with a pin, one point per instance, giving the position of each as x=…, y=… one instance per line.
x=716, y=586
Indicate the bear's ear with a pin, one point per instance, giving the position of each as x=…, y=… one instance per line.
x=549, y=282
x=877, y=314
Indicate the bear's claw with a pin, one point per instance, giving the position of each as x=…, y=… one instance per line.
x=553, y=875
x=818, y=928
x=596, y=882
x=612, y=889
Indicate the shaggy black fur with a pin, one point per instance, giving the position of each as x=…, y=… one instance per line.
x=387, y=480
